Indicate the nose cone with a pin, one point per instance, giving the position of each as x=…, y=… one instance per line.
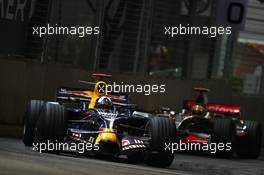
x=107, y=135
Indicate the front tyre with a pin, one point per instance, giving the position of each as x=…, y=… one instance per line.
x=52, y=124
x=223, y=133
x=162, y=131
x=30, y=119
x=249, y=145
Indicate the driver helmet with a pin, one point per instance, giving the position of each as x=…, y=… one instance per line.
x=198, y=109
x=104, y=102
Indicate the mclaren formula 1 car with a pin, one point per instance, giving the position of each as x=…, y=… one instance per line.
x=205, y=123
x=107, y=121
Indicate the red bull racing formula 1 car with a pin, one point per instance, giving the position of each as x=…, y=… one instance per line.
x=105, y=121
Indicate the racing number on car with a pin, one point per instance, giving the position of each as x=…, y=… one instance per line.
x=230, y=13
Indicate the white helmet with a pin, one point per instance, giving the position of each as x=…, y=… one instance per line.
x=104, y=102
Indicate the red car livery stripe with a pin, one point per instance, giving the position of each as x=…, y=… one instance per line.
x=213, y=107
x=194, y=139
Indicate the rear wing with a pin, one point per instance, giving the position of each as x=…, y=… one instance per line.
x=224, y=109
x=215, y=107
x=69, y=94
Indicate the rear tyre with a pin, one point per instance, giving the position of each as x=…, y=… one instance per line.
x=30, y=119
x=249, y=146
x=162, y=131
x=223, y=134
x=52, y=124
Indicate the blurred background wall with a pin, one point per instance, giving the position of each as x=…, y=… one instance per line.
x=133, y=47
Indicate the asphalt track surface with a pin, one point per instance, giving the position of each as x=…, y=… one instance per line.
x=15, y=159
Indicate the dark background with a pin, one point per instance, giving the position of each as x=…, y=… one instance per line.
x=132, y=36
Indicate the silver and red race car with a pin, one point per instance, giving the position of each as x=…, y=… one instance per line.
x=216, y=128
